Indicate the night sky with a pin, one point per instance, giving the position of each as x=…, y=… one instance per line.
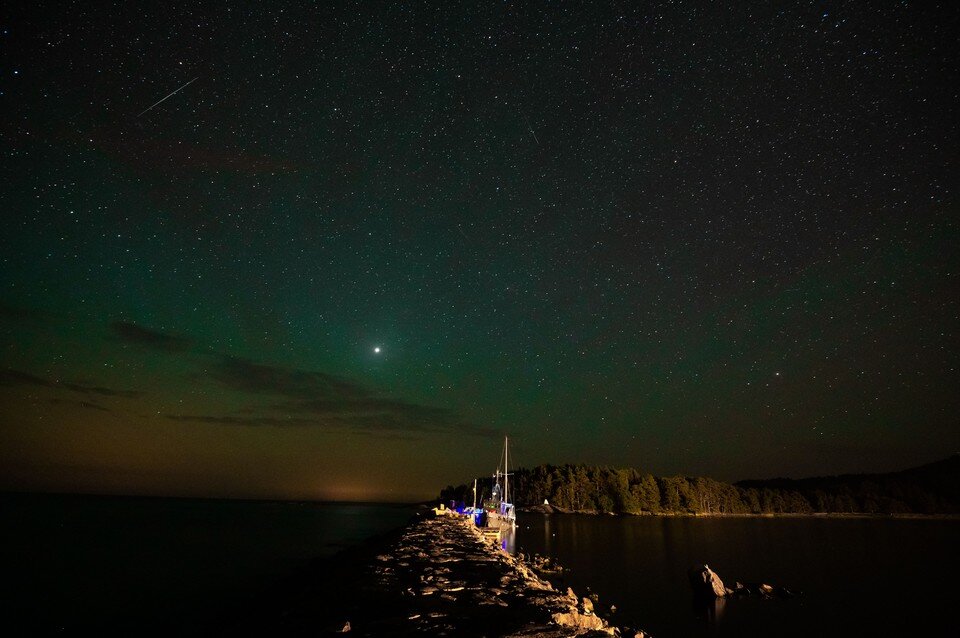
x=361, y=242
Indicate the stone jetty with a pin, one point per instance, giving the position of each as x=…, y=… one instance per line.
x=444, y=578
x=438, y=576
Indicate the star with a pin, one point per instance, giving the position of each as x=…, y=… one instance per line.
x=376, y=350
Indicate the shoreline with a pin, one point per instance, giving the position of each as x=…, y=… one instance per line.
x=550, y=509
x=436, y=575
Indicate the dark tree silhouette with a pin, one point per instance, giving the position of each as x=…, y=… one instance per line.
x=929, y=489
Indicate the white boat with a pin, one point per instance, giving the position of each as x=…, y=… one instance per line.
x=499, y=509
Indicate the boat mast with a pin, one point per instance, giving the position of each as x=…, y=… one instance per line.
x=506, y=471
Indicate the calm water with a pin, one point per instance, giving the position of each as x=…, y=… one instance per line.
x=859, y=577
x=135, y=564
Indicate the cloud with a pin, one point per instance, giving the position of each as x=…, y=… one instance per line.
x=386, y=414
x=394, y=424
x=92, y=389
x=307, y=398
x=244, y=375
x=318, y=399
x=367, y=406
x=89, y=405
x=241, y=420
x=132, y=333
x=12, y=378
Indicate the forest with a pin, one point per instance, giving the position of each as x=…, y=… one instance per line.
x=928, y=489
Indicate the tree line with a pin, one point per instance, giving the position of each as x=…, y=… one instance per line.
x=930, y=489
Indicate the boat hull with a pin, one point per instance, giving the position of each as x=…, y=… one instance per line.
x=498, y=520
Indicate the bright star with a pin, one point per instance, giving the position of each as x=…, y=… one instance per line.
x=376, y=350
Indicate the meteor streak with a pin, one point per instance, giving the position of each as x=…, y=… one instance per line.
x=168, y=96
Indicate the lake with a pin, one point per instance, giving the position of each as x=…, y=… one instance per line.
x=858, y=576
x=134, y=565
x=145, y=565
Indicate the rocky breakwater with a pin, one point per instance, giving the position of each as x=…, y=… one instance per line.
x=440, y=577
x=434, y=577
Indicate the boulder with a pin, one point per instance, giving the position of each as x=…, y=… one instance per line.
x=573, y=618
x=706, y=583
x=587, y=606
x=762, y=589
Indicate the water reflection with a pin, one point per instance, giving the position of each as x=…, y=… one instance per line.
x=508, y=539
x=548, y=535
x=709, y=611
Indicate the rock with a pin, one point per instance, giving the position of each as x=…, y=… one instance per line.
x=706, y=583
x=762, y=589
x=573, y=618
x=346, y=628
x=587, y=606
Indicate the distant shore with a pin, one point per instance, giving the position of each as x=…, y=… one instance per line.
x=550, y=509
x=929, y=490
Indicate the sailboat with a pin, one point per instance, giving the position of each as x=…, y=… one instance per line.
x=473, y=512
x=499, y=508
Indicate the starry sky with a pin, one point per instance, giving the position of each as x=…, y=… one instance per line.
x=338, y=250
